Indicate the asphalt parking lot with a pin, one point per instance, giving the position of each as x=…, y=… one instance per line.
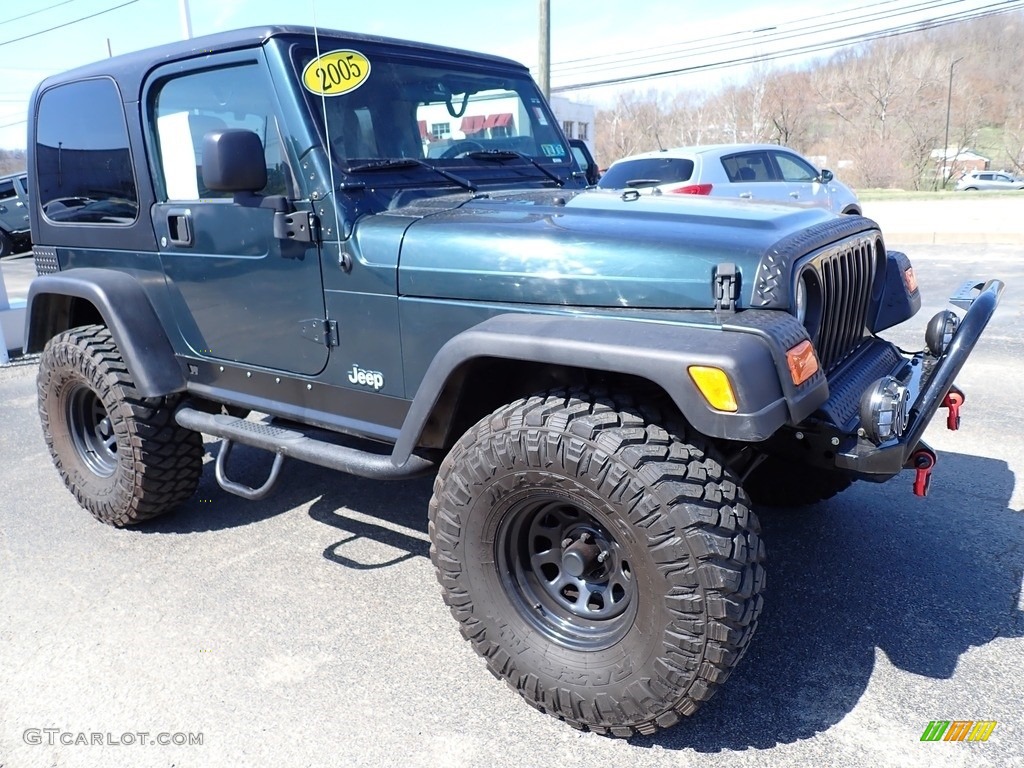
x=308, y=629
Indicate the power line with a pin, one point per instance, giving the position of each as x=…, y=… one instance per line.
x=67, y=23
x=977, y=13
x=775, y=35
x=33, y=13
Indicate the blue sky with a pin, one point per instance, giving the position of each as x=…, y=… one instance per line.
x=663, y=31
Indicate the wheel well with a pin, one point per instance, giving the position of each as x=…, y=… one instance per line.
x=481, y=385
x=852, y=210
x=58, y=314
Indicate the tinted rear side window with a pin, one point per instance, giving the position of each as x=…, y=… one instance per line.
x=82, y=155
x=748, y=167
x=659, y=170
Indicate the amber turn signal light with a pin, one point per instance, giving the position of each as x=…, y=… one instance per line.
x=910, y=279
x=714, y=384
x=803, y=363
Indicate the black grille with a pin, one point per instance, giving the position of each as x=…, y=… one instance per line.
x=846, y=273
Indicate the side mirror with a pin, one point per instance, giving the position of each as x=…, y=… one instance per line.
x=233, y=161
x=825, y=176
x=585, y=160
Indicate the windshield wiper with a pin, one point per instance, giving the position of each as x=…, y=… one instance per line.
x=634, y=183
x=409, y=162
x=507, y=154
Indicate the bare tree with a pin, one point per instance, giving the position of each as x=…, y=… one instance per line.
x=878, y=110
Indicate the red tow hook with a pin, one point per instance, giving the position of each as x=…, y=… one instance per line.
x=924, y=461
x=953, y=400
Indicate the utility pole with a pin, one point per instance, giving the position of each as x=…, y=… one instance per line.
x=544, y=55
x=945, y=147
x=186, y=20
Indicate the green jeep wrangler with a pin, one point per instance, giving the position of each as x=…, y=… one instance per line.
x=279, y=237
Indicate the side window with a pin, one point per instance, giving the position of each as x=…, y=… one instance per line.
x=23, y=180
x=747, y=167
x=83, y=159
x=7, y=190
x=794, y=168
x=188, y=107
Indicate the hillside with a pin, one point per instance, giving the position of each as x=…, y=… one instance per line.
x=874, y=113
x=12, y=161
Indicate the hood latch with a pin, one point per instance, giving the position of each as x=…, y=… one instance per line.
x=726, y=287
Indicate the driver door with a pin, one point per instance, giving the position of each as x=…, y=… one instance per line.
x=240, y=294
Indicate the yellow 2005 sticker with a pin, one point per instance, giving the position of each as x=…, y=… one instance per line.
x=336, y=73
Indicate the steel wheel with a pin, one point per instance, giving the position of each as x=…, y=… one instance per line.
x=122, y=455
x=607, y=568
x=566, y=574
x=91, y=431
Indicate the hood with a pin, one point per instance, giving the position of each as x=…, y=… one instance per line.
x=592, y=248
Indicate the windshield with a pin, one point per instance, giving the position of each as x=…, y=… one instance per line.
x=373, y=107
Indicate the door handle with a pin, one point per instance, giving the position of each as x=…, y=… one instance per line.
x=794, y=194
x=746, y=195
x=179, y=227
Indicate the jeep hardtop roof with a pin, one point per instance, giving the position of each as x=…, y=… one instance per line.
x=131, y=68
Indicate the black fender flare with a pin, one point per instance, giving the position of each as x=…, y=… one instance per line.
x=126, y=310
x=659, y=352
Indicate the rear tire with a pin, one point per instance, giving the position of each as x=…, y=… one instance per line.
x=123, y=456
x=6, y=244
x=607, y=570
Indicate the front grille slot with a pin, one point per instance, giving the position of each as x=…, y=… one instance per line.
x=846, y=273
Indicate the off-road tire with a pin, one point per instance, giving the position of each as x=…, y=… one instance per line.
x=683, y=547
x=6, y=244
x=123, y=456
x=778, y=483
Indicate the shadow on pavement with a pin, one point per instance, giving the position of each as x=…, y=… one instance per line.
x=403, y=501
x=922, y=580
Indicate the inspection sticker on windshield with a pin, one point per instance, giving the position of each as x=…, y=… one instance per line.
x=336, y=73
x=553, y=150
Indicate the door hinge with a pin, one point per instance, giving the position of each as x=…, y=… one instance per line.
x=302, y=226
x=727, y=287
x=320, y=331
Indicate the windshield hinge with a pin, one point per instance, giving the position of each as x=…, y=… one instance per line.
x=302, y=226
x=320, y=331
x=727, y=287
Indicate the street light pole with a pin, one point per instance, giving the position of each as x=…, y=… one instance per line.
x=185, y=17
x=945, y=146
x=544, y=54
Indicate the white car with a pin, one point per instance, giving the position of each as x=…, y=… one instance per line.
x=765, y=172
x=975, y=180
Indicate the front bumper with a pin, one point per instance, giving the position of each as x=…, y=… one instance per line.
x=928, y=380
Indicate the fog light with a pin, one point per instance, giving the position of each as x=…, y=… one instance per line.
x=940, y=331
x=885, y=410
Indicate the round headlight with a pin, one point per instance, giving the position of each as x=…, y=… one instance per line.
x=801, y=299
x=885, y=410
